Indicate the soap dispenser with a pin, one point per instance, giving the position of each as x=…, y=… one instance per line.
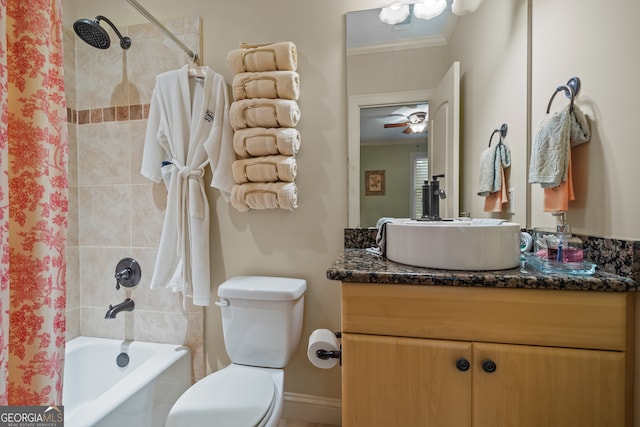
x=563, y=247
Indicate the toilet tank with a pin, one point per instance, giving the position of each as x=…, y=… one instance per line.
x=261, y=319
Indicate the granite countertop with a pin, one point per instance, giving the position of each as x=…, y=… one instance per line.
x=358, y=265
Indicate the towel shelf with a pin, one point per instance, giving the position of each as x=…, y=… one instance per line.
x=570, y=90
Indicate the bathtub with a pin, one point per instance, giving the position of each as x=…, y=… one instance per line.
x=97, y=392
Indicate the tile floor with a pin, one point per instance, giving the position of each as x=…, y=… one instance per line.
x=296, y=423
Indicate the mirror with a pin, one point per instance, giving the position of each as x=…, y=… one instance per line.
x=401, y=66
x=393, y=160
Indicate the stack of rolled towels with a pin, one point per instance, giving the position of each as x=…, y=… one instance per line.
x=264, y=115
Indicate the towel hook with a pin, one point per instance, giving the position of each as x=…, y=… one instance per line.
x=570, y=90
x=502, y=131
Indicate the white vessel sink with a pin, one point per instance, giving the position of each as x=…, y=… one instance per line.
x=453, y=245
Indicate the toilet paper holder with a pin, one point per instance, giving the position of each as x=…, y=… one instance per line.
x=331, y=354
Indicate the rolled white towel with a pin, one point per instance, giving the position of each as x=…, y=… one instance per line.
x=265, y=169
x=253, y=195
x=266, y=141
x=269, y=57
x=266, y=113
x=267, y=84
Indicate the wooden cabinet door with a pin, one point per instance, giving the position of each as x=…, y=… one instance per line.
x=408, y=382
x=544, y=386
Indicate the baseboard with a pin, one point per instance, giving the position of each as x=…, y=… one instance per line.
x=315, y=409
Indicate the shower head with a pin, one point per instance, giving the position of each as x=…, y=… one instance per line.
x=92, y=33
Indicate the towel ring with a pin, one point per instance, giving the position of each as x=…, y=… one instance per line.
x=570, y=90
x=502, y=131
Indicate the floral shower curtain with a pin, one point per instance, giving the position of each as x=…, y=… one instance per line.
x=33, y=202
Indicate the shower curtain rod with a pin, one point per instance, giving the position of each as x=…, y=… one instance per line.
x=137, y=6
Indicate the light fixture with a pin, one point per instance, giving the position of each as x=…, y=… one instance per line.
x=418, y=121
x=418, y=127
x=429, y=9
x=465, y=7
x=394, y=14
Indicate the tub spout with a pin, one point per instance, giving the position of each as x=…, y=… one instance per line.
x=126, y=305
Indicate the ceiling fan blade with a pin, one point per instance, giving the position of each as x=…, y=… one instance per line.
x=395, y=125
x=407, y=130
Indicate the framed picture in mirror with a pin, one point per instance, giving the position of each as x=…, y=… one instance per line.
x=374, y=183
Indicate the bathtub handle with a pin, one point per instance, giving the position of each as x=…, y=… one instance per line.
x=222, y=303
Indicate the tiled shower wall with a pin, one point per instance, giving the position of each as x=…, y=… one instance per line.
x=114, y=211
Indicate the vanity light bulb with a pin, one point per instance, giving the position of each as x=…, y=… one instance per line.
x=429, y=9
x=465, y=7
x=395, y=13
x=418, y=127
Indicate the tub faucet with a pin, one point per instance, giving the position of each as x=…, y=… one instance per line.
x=126, y=305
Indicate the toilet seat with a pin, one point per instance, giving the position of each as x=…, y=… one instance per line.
x=238, y=396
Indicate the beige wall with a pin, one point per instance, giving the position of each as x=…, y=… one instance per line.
x=601, y=48
x=398, y=71
x=598, y=45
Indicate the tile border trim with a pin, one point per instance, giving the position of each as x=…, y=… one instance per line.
x=120, y=113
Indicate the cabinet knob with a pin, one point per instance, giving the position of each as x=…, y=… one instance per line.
x=489, y=366
x=462, y=364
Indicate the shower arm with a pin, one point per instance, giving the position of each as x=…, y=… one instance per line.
x=144, y=12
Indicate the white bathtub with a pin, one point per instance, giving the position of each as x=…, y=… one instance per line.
x=97, y=392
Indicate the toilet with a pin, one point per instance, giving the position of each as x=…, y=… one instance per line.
x=262, y=325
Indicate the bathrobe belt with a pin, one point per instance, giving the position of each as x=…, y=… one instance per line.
x=193, y=203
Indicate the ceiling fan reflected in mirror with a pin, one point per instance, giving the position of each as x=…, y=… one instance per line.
x=415, y=119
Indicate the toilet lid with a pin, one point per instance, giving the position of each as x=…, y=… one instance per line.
x=230, y=397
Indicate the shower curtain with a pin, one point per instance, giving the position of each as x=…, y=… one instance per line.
x=33, y=203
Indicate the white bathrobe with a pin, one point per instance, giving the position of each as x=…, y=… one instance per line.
x=188, y=126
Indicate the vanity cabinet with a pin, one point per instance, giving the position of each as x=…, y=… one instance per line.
x=485, y=357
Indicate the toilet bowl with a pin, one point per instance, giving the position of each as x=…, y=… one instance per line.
x=262, y=325
x=234, y=396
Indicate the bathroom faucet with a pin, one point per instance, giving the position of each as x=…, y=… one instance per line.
x=431, y=195
x=126, y=305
